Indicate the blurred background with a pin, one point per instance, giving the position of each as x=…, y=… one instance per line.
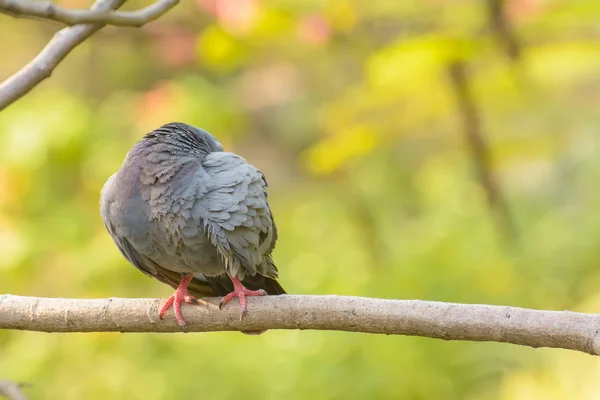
x=415, y=150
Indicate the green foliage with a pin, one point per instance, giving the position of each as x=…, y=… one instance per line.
x=347, y=108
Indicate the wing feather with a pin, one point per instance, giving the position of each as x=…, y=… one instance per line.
x=237, y=219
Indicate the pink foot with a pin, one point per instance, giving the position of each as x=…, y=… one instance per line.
x=240, y=292
x=181, y=295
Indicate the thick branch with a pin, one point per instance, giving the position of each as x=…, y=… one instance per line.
x=48, y=10
x=448, y=321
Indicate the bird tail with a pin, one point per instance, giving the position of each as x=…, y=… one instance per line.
x=273, y=287
x=222, y=285
x=202, y=286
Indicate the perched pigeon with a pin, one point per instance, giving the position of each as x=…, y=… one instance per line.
x=182, y=210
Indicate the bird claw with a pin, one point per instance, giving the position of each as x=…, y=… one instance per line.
x=241, y=293
x=181, y=295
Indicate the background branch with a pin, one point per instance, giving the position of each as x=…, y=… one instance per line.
x=448, y=321
x=50, y=11
x=502, y=29
x=479, y=149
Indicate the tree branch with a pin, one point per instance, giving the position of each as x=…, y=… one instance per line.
x=65, y=40
x=448, y=321
x=11, y=390
x=50, y=11
x=41, y=67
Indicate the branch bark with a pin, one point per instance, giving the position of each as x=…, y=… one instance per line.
x=448, y=321
x=53, y=12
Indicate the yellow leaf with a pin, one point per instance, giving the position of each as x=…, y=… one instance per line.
x=331, y=153
x=218, y=50
x=342, y=15
x=408, y=62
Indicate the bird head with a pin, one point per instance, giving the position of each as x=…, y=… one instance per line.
x=184, y=137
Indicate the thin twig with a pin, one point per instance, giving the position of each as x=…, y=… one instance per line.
x=50, y=11
x=11, y=390
x=558, y=329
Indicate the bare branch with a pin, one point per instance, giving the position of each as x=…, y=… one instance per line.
x=50, y=11
x=11, y=390
x=41, y=67
x=448, y=321
x=65, y=40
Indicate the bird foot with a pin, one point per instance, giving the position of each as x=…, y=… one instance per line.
x=181, y=295
x=240, y=292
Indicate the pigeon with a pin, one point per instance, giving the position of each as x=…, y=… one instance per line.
x=193, y=216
